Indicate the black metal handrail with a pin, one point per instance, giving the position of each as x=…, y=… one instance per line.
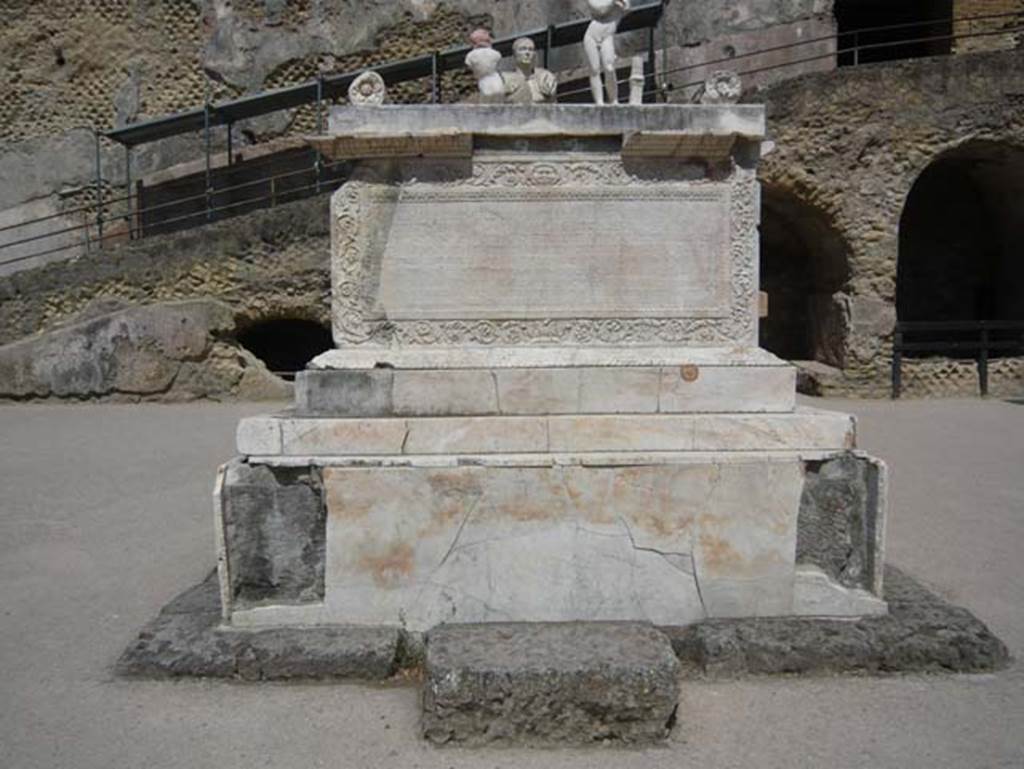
x=315, y=92
x=323, y=185
x=980, y=345
x=326, y=87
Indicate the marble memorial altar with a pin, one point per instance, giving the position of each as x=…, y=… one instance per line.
x=547, y=401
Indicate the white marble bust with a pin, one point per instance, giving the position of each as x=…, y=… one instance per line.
x=528, y=83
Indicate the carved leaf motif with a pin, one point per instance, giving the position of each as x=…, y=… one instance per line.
x=355, y=200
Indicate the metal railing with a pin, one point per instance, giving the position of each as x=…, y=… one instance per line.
x=978, y=340
x=660, y=84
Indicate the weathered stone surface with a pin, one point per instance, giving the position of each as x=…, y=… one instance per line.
x=459, y=255
x=535, y=391
x=921, y=633
x=266, y=264
x=172, y=351
x=838, y=527
x=815, y=594
x=185, y=639
x=273, y=522
x=855, y=183
x=741, y=120
x=560, y=683
x=545, y=356
x=805, y=429
x=344, y=393
x=671, y=543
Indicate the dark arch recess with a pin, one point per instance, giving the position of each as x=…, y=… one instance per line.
x=932, y=28
x=804, y=270
x=961, y=232
x=285, y=345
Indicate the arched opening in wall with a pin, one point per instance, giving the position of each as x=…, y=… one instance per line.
x=286, y=345
x=858, y=23
x=804, y=269
x=960, y=249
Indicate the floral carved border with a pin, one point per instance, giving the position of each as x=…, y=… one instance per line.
x=355, y=204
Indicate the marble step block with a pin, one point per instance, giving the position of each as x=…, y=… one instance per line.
x=561, y=683
x=804, y=429
x=686, y=388
x=676, y=540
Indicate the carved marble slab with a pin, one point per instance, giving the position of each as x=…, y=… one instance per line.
x=528, y=249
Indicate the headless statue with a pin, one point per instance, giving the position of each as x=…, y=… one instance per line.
x=599, y=45
x=483, y=61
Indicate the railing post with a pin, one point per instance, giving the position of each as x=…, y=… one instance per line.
x=435, y=80
x=652, y=61
x=206, y=142
x=983, y=360
x=549, y=42
x=128, y=187
x=664, y=54
x=897, y=363
x=856, y=48
x=319, y=125
x=99, y=191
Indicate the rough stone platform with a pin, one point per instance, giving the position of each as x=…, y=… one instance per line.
x=185, y=640
x=921, y=633
x=550, y=683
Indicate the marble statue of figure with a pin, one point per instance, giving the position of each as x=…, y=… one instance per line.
x=528, y=83
x=483, y=61
x=599, y=45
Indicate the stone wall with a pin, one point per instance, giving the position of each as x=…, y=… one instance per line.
x=106, y=63
x=268, y=264
x=850, y=146
x=991, y=28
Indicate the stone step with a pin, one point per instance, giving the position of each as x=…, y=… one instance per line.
x=286, y=435
x=549, y=683
x=683, y=388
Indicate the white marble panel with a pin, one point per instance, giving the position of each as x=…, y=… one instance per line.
x=538, y=390
x=619, y=391
x=342, y=436
x=669, y=543
x=621, y=433
x=258, y=435
x=815, y=595
x=804, y=430
x=622, y=253
x=485, y=435
x=695, y=388
x=440, y=393
x=563, y=356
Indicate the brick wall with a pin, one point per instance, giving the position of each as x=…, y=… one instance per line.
x=994, y=39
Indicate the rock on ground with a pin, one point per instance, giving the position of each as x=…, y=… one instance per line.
x=559, y=683
x=172, y=351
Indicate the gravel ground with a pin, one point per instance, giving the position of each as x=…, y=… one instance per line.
x=105, y=515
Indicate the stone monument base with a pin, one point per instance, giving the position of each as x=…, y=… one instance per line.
x=922, y=633
x=672, y=487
